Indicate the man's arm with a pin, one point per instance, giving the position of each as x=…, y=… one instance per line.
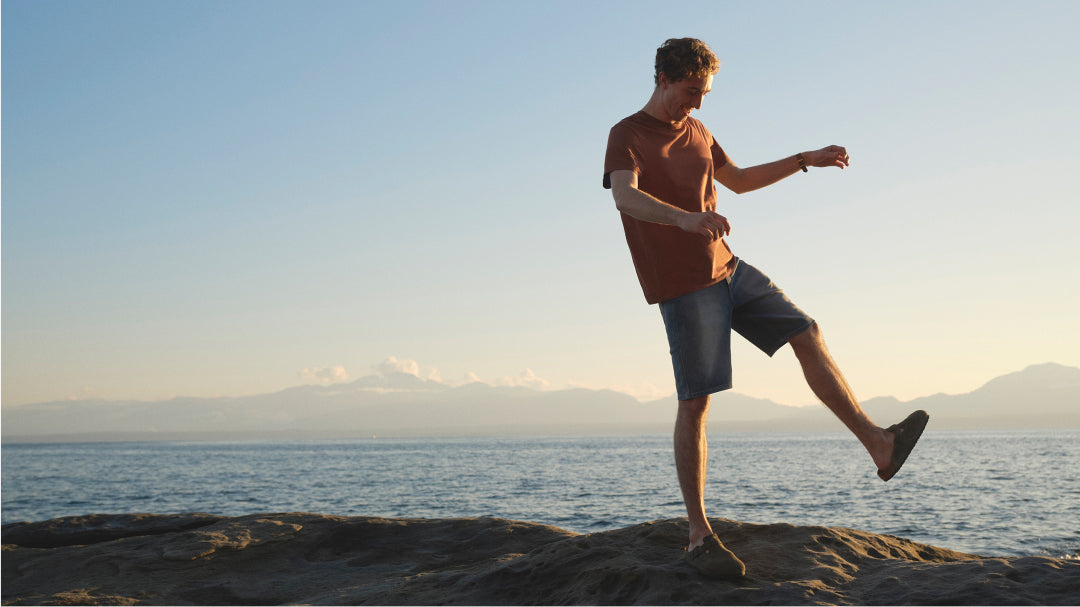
x=749, y=179
x=642, y=206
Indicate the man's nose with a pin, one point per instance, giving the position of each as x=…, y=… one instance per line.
x=697, y=101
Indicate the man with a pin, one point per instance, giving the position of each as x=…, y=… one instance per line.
x=661, y=165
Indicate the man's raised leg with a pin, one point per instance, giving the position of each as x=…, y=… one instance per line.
x=828, y=384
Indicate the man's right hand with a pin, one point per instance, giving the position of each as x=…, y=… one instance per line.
x=709, y=224
x=639, y=205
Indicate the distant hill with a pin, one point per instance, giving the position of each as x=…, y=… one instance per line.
x=1040, y=396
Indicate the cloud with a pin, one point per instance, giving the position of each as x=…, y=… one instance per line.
x=393, y=365
x=87, y=393
x=526, y=379
x=324, y=375
x=408, y=367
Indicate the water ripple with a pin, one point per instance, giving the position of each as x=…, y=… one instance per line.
x=995, y=493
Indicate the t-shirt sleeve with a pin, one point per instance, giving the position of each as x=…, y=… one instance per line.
x=621, y=154
x=719, y=158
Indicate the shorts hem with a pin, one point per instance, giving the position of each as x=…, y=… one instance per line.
x=789, y=337
x=706, y=392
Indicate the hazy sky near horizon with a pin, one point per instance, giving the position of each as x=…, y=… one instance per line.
x=226, y=198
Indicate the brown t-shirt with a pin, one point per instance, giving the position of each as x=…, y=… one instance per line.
x=675, y=165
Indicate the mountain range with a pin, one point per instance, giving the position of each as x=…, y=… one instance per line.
x=400, y=404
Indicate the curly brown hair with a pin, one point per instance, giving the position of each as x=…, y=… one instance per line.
x=681, y=58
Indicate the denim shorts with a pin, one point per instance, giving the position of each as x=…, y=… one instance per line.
x=699, y=327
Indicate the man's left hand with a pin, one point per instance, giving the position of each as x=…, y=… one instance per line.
x=832, y=156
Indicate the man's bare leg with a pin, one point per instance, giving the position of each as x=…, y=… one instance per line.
x=829, y=385
x=691, y=459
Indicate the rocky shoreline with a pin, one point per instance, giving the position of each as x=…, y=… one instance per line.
x=300, y=558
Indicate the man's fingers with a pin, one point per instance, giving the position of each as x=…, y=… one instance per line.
x=710, y=224
x=716, y=226
x=842, y=157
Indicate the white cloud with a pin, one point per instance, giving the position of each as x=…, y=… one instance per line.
x=393, y=365
x=526, y=379
x=87, y=393
x=408, y=367
x=324, y=375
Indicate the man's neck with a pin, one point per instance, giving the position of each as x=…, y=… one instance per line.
x=655, y=108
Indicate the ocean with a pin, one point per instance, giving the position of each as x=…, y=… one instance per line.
x=992, y=493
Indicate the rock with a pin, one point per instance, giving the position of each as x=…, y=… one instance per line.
x=76, y=530
x=266, y=559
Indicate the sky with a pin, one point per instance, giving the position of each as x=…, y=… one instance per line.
x=230, y=198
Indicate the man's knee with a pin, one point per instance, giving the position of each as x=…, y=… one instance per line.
x=695, y=407
x=809, y=338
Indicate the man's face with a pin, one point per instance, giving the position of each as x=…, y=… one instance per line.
x=684, y=96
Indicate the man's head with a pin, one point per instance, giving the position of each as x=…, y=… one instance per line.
x=681, y=58
x=684, y=75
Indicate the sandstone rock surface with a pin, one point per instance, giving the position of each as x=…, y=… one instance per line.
x=299, y=558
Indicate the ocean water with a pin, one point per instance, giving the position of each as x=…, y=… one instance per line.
x=996, y=493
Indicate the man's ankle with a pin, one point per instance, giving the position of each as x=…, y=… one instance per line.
x=697, y=536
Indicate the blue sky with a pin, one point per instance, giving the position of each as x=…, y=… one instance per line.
x=225, y=198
